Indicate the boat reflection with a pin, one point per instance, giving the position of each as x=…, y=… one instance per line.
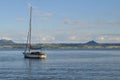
x=33, y=66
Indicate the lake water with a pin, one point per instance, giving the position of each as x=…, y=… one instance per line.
x=61, y=65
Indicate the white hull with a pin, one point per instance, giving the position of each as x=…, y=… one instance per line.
x=29, y=55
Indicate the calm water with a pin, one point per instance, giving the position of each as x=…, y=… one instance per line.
x=62, y=65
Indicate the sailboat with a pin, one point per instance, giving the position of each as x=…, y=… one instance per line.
x=32, y=52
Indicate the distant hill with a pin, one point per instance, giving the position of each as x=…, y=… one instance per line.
x=91, y=43
x=5, y=42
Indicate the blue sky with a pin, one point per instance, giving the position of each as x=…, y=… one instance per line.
x=61, y=21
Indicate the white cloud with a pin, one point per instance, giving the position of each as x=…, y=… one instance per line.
x=47, y=38
x=102, y=38
x=109, y=38
x=6, y=38
x=72, y=38
x=15, y=36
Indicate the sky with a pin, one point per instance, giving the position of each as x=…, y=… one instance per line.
x=61, y=21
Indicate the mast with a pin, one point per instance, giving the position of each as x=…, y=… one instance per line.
x=29, y=34
x=28, y=45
